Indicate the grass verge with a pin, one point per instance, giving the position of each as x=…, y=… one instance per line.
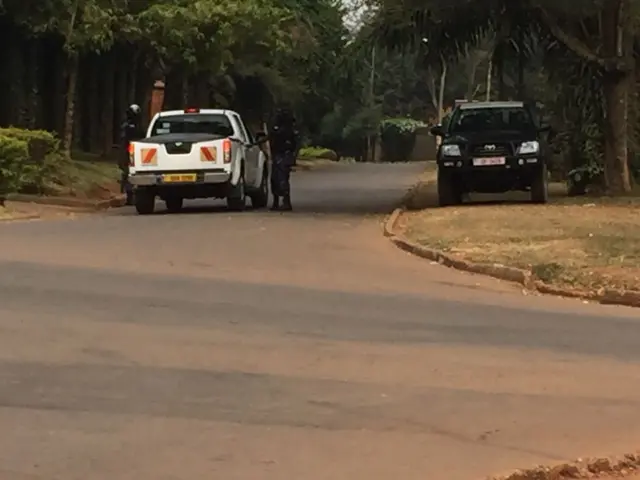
x=85, y=176
x=581, y=242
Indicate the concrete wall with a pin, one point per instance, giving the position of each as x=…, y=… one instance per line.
x=425, y=147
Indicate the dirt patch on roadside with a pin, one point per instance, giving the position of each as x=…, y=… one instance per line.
x=627, y=467
x=586, y=242
x=30, y=211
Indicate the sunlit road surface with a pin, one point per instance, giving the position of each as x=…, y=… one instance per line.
x=259, y=345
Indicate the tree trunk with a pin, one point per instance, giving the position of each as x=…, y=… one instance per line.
x=60, y=87
x=72, y=82
x=95, y=103
x=107, y=120
x=185, y=90
x=122, y=92
x=443, y=84
x=522, y=88
x=616, y=94
x=489, y=79
x=617, y=36
x=32, y=100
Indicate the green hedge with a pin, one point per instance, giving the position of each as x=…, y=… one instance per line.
x=15, y=167
x=398, y=138
x=27, y=159
x=318, y=152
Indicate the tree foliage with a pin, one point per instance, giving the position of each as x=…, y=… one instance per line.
x=581, y=56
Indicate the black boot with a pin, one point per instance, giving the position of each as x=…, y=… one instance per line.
x=286, y=204
x=276, y=203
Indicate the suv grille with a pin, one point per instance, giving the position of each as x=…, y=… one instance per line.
x=491, y=149
x=178, y=148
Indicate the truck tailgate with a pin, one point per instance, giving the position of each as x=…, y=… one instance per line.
x=169, y=153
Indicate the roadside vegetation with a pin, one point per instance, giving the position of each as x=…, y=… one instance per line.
x=71, y=68
x=579, y=66
x=584, y=242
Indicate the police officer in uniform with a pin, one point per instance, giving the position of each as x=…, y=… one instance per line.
x=283, y=139
x=131, y=131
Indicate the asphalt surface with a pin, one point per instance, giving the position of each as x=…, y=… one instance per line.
x=260, y=345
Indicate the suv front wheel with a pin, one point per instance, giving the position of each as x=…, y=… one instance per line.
x=449, y=191
x=540, y=185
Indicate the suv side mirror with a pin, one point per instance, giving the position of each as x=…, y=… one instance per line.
x=437, y=130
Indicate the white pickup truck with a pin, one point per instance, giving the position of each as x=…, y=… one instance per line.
x=197, y=153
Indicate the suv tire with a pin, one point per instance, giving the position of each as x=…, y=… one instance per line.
x=448, y=190
x=540, y=185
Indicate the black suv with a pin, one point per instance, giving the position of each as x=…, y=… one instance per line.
x=491, y=147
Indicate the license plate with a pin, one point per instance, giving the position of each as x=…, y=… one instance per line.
x=481, y=162
x=180, y=178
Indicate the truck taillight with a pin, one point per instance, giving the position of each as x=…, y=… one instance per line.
x=132, y=159
x=226, y=150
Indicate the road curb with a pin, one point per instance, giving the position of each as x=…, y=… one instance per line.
x=117, y=201
x=588, y=468
x=525, y=278
x=20, y=218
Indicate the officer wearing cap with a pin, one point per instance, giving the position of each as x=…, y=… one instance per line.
x=131, y=130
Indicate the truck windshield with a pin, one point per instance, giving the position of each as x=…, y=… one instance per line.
x=214, y=124
x=491, y=119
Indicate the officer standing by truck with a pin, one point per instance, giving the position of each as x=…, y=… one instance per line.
x=283, y=140
x=131, y=130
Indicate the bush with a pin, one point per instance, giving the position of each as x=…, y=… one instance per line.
x=318, y=152
x=15, y=167
x=398, y=138
x=42, y=160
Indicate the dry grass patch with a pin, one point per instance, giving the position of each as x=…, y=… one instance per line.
x=423, y=194
x=584, y=242
x=5, y=214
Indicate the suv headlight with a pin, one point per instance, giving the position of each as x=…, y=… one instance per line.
x=451, y=151
x=528, y=147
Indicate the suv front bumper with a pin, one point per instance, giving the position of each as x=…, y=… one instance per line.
x=511, y=163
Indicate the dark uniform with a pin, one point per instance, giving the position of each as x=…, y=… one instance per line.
x=131, y=130
x=283, y=139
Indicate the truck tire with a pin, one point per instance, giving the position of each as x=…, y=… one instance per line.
x=540, y=186
x=237, y=197
x=174, y=204
x=260, y=198
x=145, y=201
x=449, y=193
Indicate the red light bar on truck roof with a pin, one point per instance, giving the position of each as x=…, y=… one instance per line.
x=192, y=110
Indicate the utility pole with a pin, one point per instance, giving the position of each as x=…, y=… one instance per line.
x=371, y=141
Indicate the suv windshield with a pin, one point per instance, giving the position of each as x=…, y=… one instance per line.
x=216, y=124
x=491, y=119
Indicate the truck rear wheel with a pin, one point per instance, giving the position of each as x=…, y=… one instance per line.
x=237, y=197
x=540, y=186
x=449, y=192
x=260, y=198
x=145, y=201
x=174, y=204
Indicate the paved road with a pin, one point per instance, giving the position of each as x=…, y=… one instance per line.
x=291, y=346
